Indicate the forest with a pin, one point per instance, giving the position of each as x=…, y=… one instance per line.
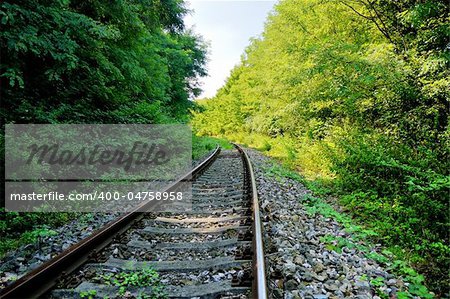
x=97, y=62
x=354, y=94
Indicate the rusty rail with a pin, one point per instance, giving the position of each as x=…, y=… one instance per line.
x=259, y=272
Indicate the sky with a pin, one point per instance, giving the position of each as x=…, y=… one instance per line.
x=228, y=27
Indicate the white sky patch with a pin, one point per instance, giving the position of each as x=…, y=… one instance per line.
x=228, y=27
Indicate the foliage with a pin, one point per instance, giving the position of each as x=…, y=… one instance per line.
x=126, y=281
x=90, y=294
x=122, y=62
x=355, y=95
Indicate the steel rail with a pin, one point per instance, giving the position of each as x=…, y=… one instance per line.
x=259, y=271
x=42, y=279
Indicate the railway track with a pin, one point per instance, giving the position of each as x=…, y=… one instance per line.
x=213, y=251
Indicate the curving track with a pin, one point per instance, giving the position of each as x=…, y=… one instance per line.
x=213, y=251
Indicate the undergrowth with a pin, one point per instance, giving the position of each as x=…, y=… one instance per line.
x=21, y=228
x=129, y=281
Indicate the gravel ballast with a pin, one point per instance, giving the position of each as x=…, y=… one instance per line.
x=299, y=263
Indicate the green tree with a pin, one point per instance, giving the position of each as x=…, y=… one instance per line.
x=355, y=93
x=97, y=61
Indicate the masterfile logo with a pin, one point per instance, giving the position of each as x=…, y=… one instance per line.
x=90, y=165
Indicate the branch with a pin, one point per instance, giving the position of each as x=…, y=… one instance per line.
x=384, y=31
x=372, y=19
x=357, y=12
